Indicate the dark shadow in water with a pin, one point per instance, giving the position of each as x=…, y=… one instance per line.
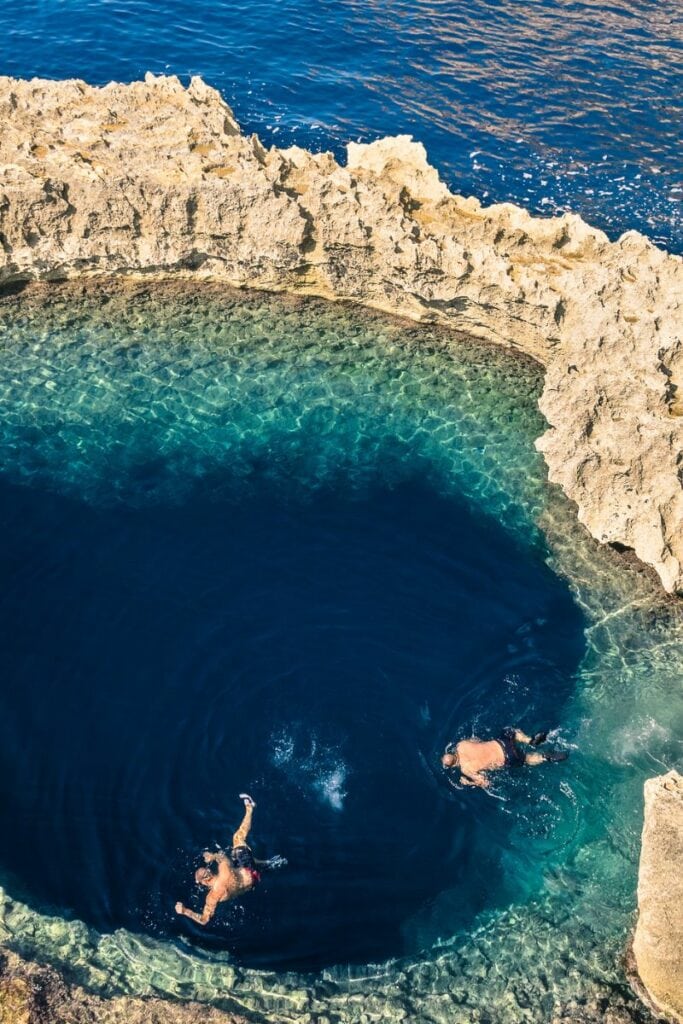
x=158, y=661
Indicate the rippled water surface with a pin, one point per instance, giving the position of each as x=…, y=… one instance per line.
x=240, y=552
x=553, y=104
x=262, y=543
x=268, y=543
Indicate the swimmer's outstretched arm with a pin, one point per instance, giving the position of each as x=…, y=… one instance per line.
x=475, y=779
x=205, y=916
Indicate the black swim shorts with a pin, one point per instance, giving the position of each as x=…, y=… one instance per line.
x=514, y=755
x=242, y=857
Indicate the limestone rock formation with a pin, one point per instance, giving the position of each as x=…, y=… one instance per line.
x=154, y=178
x=658, y=939
x=36, y=994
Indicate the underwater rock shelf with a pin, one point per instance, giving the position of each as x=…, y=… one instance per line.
x=36, y=994
x=152, y=178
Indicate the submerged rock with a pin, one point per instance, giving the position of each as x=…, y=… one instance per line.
x=36, y=994
x=153, y=178
x=658, y=939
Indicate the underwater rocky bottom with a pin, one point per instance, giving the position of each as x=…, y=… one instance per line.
x=266, y=542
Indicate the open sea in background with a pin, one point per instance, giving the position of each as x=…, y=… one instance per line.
x=552, y=104
x=255, y=542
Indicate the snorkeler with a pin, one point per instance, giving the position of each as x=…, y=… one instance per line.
x=236, y=870
x=475, y=756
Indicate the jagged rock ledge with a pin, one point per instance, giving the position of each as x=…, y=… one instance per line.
x=152, y=177
x=657, y=950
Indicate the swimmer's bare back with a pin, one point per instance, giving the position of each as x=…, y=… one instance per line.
x=477, y=756
x=474, y=757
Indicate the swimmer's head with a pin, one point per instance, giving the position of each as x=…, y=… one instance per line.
x=450, y=758
x=203, y=876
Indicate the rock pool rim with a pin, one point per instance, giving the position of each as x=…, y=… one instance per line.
x=183, y=285
x=176, y=273
x=384, y=231
x=71, y=290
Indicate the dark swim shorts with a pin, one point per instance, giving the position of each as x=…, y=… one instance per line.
x=514, y=755
x=241, y=857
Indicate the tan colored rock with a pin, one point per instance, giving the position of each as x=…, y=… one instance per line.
x=156, y=178
x=32, y=993
x=658, y=940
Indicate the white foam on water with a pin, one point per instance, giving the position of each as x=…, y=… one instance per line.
x=313, y=767
x=282, y=746
x=330, y=786
x=642, y=736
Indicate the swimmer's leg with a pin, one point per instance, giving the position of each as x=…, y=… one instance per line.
x=521, y=737
x=242, y=833
x=550, y=756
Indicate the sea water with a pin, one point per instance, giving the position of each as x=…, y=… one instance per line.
x=269, y=544
x=119, y=489
x=552, y=104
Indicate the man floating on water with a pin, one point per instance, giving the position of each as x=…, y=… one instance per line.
x=236, y=870
x=474, y=756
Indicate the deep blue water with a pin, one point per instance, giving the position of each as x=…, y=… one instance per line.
x=553, y=104
x=317, y=653
x=269, y=545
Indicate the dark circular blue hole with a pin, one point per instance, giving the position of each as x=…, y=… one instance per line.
x=317, y=652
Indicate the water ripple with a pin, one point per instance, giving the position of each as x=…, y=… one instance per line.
x=553, y=104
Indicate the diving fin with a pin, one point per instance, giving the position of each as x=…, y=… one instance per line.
x=556, y=755
x=274, y=862
x=539, y=738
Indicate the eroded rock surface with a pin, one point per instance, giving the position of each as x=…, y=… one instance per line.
x=658, y=939
x=36, y=994
x=155, y=178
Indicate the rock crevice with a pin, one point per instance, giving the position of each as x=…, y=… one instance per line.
x=153, y=177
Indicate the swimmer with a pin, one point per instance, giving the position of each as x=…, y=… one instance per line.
x=474, y=756
x=236, y=870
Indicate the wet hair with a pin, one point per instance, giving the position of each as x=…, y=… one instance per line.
x=451, y=752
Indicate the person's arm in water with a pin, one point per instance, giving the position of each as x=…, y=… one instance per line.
x=206, y=914
x=475, y=779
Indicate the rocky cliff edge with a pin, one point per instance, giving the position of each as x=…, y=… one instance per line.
x=658, y=940
x=156, y=178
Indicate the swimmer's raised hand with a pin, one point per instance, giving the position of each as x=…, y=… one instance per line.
x=179, y=908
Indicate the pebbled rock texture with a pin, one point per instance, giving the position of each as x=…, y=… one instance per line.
x=658, y=940
x=36, y=994
x=154, y=178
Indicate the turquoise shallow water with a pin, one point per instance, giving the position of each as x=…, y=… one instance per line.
x=136, y=399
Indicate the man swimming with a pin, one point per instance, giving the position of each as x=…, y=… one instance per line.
x=236, y=871
x=474, y=756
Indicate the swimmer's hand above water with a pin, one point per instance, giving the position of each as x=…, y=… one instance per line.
x=205, y=916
